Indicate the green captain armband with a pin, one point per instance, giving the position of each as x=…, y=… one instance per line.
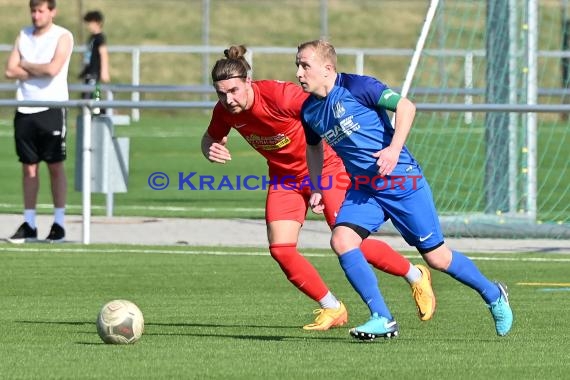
x=389, y=99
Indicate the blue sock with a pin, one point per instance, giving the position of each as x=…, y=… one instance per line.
x=363, y=280
x=465, y=271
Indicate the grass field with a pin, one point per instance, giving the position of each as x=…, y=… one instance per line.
x=282, y=23
x=229, y=313
x=226, y=312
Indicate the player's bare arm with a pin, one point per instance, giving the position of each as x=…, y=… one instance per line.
x=387, y=158
x=214, y=150
x=315, y=158
x=13, y=69
x=52, y=68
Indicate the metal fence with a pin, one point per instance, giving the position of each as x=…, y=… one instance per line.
x=356, y=55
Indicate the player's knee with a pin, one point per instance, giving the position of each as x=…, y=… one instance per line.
x=438, y=257
x=340, y=247
x=346, y=237
x=336, y=243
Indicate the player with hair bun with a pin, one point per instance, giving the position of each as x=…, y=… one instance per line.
x=267, y=114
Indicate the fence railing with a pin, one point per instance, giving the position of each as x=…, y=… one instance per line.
x=112, y=89
x=358, y=55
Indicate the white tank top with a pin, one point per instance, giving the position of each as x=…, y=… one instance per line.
x=41, y=49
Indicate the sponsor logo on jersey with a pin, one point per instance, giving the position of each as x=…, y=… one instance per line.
x=344, y=129
x=268, y=142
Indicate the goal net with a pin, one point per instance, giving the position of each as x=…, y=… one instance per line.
x=495, y=173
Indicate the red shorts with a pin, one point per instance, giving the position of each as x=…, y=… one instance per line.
x=289, y=199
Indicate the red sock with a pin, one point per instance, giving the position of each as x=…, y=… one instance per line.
x=299, y=270
x=384, y=257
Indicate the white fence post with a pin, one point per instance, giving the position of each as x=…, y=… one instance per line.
x=86, y=179
x=136, y=79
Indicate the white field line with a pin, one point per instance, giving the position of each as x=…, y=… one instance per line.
x=254, y=253
x=45, y=206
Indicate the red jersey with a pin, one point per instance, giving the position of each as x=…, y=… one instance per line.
x=272, y=126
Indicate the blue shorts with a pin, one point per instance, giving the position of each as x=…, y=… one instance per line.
x=407, y=201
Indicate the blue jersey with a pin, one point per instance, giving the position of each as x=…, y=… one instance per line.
x=353, y=124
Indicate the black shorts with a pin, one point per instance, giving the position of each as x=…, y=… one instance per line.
x=40, y=136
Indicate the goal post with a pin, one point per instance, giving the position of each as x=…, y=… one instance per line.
x=419, y=46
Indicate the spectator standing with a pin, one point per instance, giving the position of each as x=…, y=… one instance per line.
x=39, y=62
x=96, y=57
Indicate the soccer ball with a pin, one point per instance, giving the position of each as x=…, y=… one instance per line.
x=120, y=322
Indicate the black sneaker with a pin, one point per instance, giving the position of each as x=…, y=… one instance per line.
x=56, y=234
x=24, y=234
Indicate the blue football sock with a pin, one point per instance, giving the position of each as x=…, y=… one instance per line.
x=465, y=271
x=363, y=280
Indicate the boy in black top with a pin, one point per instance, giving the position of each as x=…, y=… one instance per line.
x=96, y=57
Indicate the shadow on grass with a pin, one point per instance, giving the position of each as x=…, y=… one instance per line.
x=276, y=337
x=186, y=324
x=68, y=323
x=268, y=338
x=177, y=324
